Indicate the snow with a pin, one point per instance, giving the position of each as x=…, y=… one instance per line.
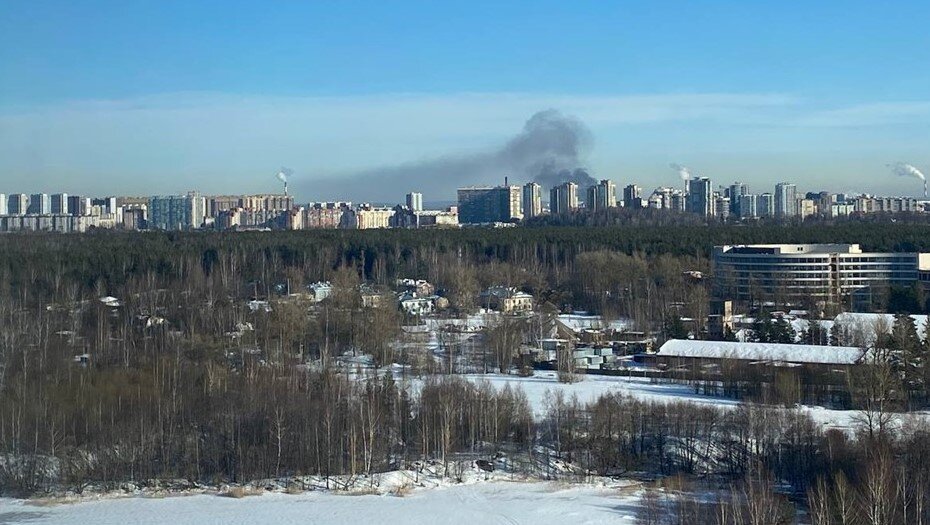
x=579, y=322
x=543, y=385
x=471, y=323
x=435, y=501
x=842, y=355
x=802, y=325
x=256, y=305
x=110, y=301
x=868, y=323
x=491, y=502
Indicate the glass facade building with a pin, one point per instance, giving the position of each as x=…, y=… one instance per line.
x=801, y=272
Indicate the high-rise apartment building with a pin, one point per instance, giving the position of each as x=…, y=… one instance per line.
x=17, y=204
x=824, y=201
x=721, y=207
x=328, y=215
x=807, y=208
x=369, y=217
x=748, y=207
x=602, y=195
x=60, y=204
x=78, y=205
x=737, y=190
x=105, y=204
x=415, y=201
x=274, y=202
x=632, y=197
x=701, y=196
x=176, y=212
x=217, y=204
x=786, y=200
x=765, y=205
x=563, y=198
x=39, y=204
x=4, y=205
x=487, y=204
x=532, y=200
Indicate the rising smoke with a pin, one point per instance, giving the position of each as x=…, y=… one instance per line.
x=284, y=174
x=903, y=169
x=549, y=150
x=683, y=171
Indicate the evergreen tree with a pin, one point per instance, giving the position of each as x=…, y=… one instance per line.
x=675, y=328
x=782, y=332
x=815, y=334
x=908, y=355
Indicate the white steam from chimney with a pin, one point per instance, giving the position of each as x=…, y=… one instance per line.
x=282, y=176
x=683, y=171
x=903, y=169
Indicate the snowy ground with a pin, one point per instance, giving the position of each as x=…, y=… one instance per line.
x=437, y=501
x=492, y=502
x=544, y=384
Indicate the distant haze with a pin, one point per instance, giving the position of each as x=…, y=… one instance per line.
x=549, y=150
x=142, y=98
x=377, y=148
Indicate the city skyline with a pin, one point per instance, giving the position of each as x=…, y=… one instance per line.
x=148, y=100
x=500, y=205
x=403, y=196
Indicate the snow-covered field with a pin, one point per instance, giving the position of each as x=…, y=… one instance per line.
x=545, y=384
x=491, y=502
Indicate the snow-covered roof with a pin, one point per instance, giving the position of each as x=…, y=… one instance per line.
x=841, y=355
x=256, y=305
x=505, y=292
x=109, y=300
x=580, y=322
x=867, y=323
x=801, y=325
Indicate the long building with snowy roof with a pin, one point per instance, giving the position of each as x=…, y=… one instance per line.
x=771, y=353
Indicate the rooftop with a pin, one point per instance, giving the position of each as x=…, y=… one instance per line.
x=837, y=355
x=578, y=322
x=773, y=249
x=868, y=324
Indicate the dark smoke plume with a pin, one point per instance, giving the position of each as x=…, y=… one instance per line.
x=549, y=150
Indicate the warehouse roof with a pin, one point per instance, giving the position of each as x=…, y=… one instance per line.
x=839, y=355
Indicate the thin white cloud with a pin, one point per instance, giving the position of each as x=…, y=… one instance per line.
x=409, y=122
x=172, y=141
x=877, y=114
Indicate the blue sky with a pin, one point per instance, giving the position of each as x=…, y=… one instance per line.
x=146, y=97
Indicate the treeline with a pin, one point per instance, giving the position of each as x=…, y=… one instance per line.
x=41, y=268
x=208, y=424
x=750, y=464
x=383, y=254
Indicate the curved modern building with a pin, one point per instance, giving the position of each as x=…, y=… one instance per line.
x=801, y=272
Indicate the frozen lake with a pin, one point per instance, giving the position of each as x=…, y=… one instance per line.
x=492, y=502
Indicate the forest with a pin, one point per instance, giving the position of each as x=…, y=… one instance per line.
x=176, y=375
